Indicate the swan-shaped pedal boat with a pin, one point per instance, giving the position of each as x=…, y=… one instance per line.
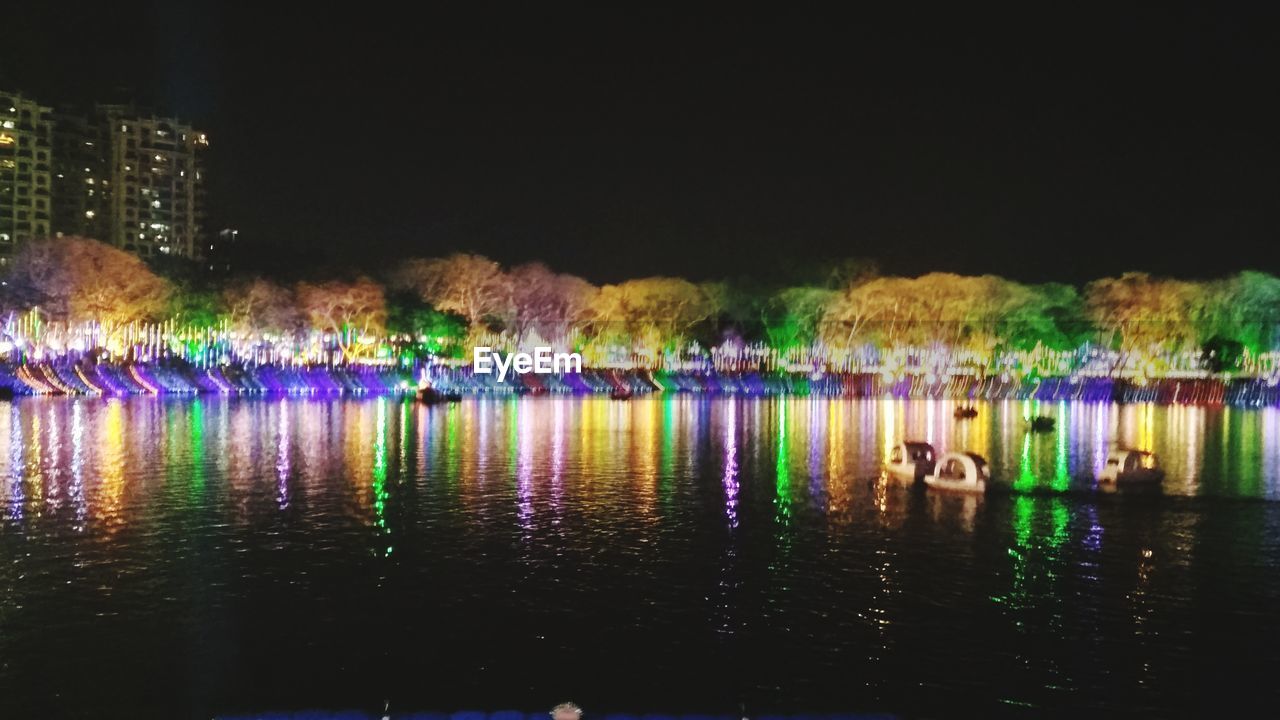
x=960, y=472
x=1126, y=466
x=910, y=461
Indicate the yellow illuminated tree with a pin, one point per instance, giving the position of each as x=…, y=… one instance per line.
x=472, y=286
x=351, y=312
x=74, y=280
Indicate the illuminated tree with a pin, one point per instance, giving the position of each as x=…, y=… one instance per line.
x=259, y=306
x=737, y=311
x=950, y=309
x=611, y=318
x=793, y=316
x=661, y=309
x=531, y=289
x=76, y=280
x=1245, y=307
x=980, y=312
x=472, y=286
x=1138, y=312
x=895, y=311
x=573, y=298
x=1050, y=315
x=851, y=312
x=195, y=308
x=426, y=328
x=1237, y=315
x=351, y=312
x=546, y=302
x=194, y=301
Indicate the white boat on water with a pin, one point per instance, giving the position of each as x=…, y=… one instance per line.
x=910, y=461
x=1125, y=466
x=960, y=472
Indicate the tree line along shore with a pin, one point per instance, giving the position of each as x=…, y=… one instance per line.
x=68, y=300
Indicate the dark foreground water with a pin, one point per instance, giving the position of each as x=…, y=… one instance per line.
x=194, y=557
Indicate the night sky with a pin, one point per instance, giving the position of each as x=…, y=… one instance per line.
x=1034, y=143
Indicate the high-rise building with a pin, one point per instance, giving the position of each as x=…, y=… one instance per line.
x=81, y=184
x=155, y=183
x=26, y=131
x=116, y=174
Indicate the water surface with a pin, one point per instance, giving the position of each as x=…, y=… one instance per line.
x=679, y=554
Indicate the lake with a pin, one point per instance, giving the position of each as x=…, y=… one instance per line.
x=190, y=557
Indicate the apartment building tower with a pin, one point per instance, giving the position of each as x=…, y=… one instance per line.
x=117, y=174
x=26, y=149
x=80, y=180
x=155, y=173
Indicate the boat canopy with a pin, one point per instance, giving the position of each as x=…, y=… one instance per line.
x=912, y=452
x=1129, y=460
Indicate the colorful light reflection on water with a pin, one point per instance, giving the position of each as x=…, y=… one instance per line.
x=224, y=554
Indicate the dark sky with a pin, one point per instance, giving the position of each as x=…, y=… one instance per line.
x=1039, y=143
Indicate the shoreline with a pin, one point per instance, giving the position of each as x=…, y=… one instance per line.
x=184, y=379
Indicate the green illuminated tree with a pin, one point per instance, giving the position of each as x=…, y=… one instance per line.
x=792, y=317
x=427, y=329
x=1050, y=315
x=1244, y=308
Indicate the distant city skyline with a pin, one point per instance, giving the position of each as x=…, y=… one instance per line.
x=614, y=144
x=116, y=173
